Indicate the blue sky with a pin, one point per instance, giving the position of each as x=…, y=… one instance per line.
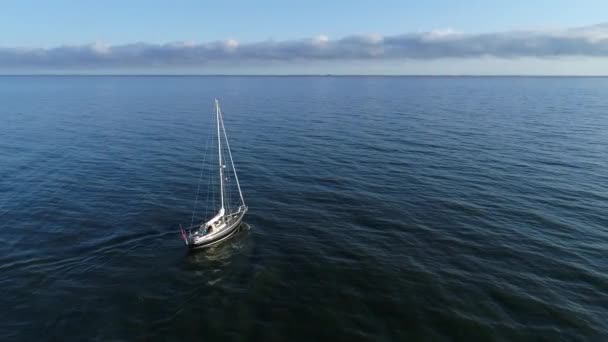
x=101, y=36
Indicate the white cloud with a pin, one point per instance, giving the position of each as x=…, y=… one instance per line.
x=591, y=41
x=231, y=44
x=100, y=48
x=441, y=34
x=321, y=39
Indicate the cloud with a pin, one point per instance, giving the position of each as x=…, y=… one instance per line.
x=591, y=41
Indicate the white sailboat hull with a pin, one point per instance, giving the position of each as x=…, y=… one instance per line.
x=221, y=233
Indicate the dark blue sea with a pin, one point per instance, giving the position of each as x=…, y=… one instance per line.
x=380, y=209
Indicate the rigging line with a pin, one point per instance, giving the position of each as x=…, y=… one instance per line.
x=236, y=178
x=219, y=152
x=200, y=176
x=227, y=182
x=230, y=188
x=212, y=170
x=213, y=180
x=213, y=190
x=210, y=185
x=198, y=189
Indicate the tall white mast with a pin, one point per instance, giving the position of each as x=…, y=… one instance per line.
x=219, y=153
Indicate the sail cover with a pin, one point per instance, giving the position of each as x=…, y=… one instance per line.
x=216, y=217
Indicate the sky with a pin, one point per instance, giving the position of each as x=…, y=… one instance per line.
x=440, y=37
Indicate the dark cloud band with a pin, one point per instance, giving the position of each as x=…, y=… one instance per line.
x=585, y=41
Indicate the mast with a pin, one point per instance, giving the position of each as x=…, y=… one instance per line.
x=219, y=153
x=231, y=160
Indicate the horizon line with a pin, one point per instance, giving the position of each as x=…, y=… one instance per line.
x=302, y=75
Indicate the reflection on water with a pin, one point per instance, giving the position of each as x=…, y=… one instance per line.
x=211, y=261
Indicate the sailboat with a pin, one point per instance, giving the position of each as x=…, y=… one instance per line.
x=230, y=213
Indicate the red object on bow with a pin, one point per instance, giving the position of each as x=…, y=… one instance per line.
x=183, y=234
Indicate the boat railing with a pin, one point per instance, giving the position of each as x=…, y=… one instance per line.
x=240, y=210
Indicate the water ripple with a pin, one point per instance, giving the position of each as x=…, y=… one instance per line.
x=387, y=208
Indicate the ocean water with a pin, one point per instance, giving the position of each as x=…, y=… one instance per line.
x=381, y=209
